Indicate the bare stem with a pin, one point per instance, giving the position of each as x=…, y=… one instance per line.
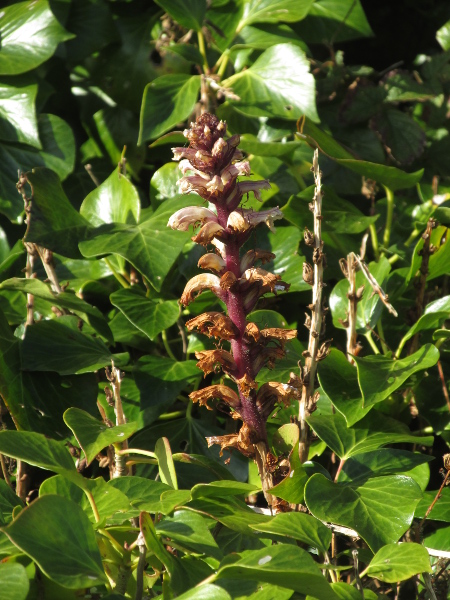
x=29, y=274
x=115, y=379
x=352, y=307
x=307, y=398
x=140, y=568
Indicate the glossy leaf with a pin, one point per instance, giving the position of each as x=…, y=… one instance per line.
x=53, y=222
x=149, y=316
x=391, y=177
x=381, y=509
x=379, y=376
x=41, y=538
x=207, y=591
x=151, y=247
x=284, y=565
x=221, y=489
x=167, y=100
x=18, y=121
x=14, y=581
x=79, y=307
x=278, y=84
x=188, y=13
x=8, y=501
x=440, y=511
x=397, y=562
x=443, y=36
x=93, y=435
x=370, y=433
x=385, y=461
x=299, y=526
x=273, y=11
x=434, y=314
x=339, y=380
x=143, y=494
x=285, y=442
x=166, y=468
x=36, y=449
x=116, y=200
x=190, y=530
x=263, y=36
x=21, y=51
x=402, y=134
x=59, y=346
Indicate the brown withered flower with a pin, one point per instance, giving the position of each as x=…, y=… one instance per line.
x=213, y=168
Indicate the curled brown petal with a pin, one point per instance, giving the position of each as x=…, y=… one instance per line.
x=272, y=334
x=221, y=392
x=209, y=360
x=250, y=257
x=274, y=392
x=243, y=219
x=241, y=441
x=267, y=280
x=214, y=324
x=251, y=333
x=228, y=281
x=198, y=284
x=190, y=215
x=246, y=385
x=214, y=262
x=207, y=233
x=267, y=357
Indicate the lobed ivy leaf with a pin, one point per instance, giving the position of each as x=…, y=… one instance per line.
x=18, y=121
x=21, y=51
x=42, y=539
x=93, y=435
x=167, y=101
x=379, y=376
x=384, y=461
x=188, y=13
x=278, y=84
x=274, y=11
x=380, y=509
x=397, y=562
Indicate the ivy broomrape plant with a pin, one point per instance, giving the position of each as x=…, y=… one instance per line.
x=211, y=166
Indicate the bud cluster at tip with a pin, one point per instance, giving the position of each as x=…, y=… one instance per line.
x=211, y=167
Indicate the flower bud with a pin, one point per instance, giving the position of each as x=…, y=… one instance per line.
x=198, y=284
x=189, y=216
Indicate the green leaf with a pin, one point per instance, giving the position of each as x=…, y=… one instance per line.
x=154, y=544
x=252, y=145
x=166, y=468
x=151, y=247
x=59, y=346
x=53, y=222
x=207, y=591
x=215, y=467
x=36, y=449
x=443, y=36
x=339, y=380
x=82, y=309
x=278, y=84
x=221, y=489
x=116, y=200
x=440, y=511
x=21, y=51
x=149, y=316
x=58, y=153
x=439, y=260
x=385, y=461
x=188, y=13
x=14, y=581
x=93, y=435
x=63, y=546
x=391, y=177
x=8, y=501
x=435, y=314
x=331, y=21
x=273, y=11
x=264, y=36
x=401, y=134
x=167, y=101
x=285, y=441
x=301, y=527
x=143, y=494
x=284, y=565
x=381, y=509
x=190, y=530
x=108, y=499
x=370, y=433
x=18, y=121
x=397, y=562
x=379, y=376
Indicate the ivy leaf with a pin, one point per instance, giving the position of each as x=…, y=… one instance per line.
x=116, y=200
x=381, y=509
x=36, y=449
x=443, y=36
x=266, y=35
x=151, y=247
x=41, y=538
x=435, y=312
x=391, y=177
x=188, y=13
x=397, y=562
x=370, y=433
x=278, y=84
x=14, y=581
x=207, y=591
x=190, y=530
x=285, y=565
x=401, y=134
x=274, y=11
x=167, y=100
x=166, y=468
x=441, y=510
x=93, y=435
x=339, y=380
x=148, y=315
x=18, y=121
x=21, y=51
x=379, y=376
